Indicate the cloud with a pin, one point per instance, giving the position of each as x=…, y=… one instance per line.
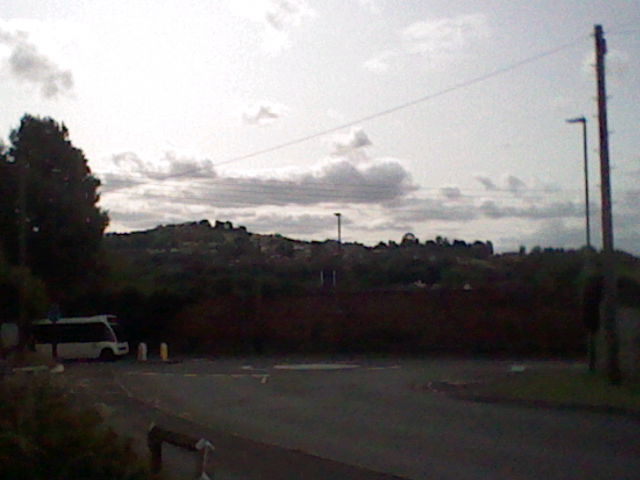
x=131, y=171
x=347, y=143
x=439, y=41
x=264, y=113
x=140, y=219
x=568, y=209
x=508, y=183
x=193, y=181
x=514, y=184
x=448, y=34
x=452, y=205
x=281, y=14
x=486, y=182
x=128, y=161
x=434, y=44
x=183, y=167
x=289, y=223
x=112, y=182
x=279, y=17
x=331, y=181
x=27, y=64
x=451, y=193
x=429, y=209
x=382, y=62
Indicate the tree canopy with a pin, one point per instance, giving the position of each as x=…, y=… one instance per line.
x=46, y=188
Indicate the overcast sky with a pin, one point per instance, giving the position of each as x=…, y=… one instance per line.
x=181, y=107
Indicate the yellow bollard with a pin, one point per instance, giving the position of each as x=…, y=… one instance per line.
x=164, y=352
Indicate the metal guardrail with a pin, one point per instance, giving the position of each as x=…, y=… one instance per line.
x=158, y=435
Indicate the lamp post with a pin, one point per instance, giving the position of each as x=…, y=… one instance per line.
x=583, y=121
x=339, y=215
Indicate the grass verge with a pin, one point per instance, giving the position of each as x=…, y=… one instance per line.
x=567, y=389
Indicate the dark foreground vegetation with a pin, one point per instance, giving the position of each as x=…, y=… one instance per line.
x=44, y=436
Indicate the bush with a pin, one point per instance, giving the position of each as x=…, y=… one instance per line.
x=42, y=436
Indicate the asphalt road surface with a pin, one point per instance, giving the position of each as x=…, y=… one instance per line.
x=374, y=418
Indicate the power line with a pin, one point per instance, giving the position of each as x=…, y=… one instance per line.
x=387, y=111
x=318, y=187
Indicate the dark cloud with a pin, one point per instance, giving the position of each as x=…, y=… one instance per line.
x=354, y=140
x=508, y=183
x=112, y=182
x=491, y=209
x=426, y=209
x=451, y=193
x=128, y=161
x=486, y=182
x=183, y=167
x=514, y=184
x=192, y=181
x=27, y=64
x=335, y=181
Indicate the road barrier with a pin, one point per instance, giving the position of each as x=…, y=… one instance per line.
x=158, y=435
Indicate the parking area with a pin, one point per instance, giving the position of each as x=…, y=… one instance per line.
x=376, y=414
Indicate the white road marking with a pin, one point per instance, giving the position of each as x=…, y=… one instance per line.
x=261, y=376
x=316, y=366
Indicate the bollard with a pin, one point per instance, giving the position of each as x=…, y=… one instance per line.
x=164, y=352
x=142, y=352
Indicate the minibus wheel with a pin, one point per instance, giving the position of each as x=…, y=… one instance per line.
x=107, y=355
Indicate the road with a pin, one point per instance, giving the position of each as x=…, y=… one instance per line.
x=376, y=415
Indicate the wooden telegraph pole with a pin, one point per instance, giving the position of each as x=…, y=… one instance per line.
x=23, y=330
x=609, y=294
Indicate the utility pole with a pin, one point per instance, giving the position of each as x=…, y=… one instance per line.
x=339, y=215
x=609, y=293
x=23, y=336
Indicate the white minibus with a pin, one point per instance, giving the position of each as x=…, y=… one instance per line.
x=81, y=337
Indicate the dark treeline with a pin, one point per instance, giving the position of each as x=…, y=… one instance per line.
x=221, y=289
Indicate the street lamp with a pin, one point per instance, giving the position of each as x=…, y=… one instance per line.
x=583, y=121
x=339, y=215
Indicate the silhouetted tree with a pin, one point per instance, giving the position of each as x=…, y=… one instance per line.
x=409, y=239
x=63, y=225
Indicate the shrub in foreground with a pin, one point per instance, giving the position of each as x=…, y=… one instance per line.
x=43, y=436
